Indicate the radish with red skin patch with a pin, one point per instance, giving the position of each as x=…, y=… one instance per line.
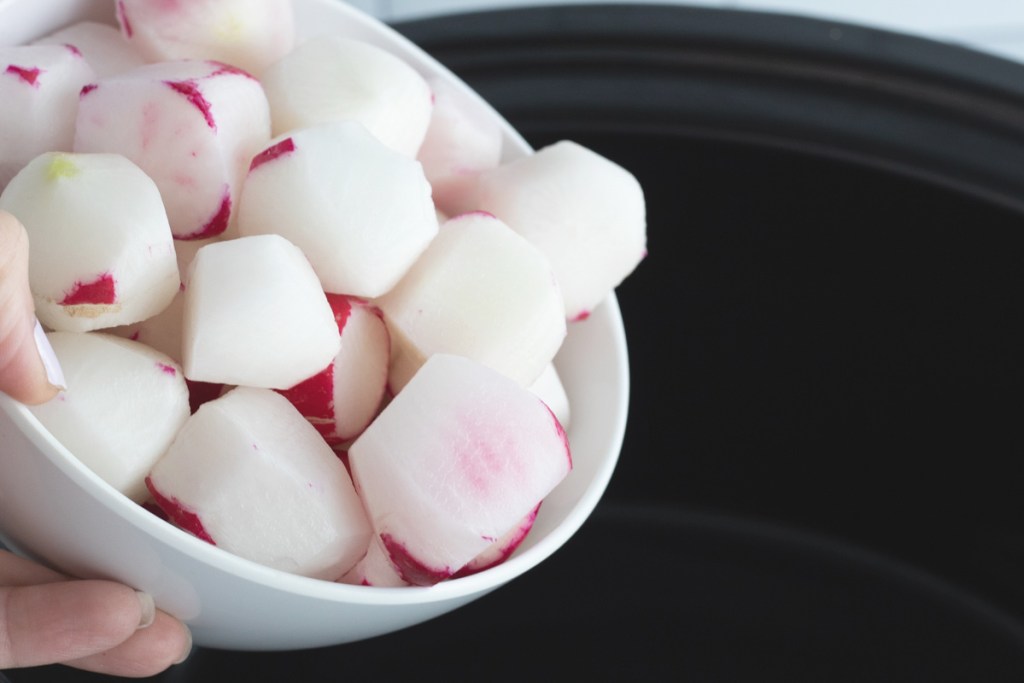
x=328, y=79
x=255, y=315
x=460, y=456
x=121, y=410
x=192, y=126
x=584, y=211
x=462, y=140
x=375, y=569
x=341, y=400
x=360, y=212
x=502, y=548
x=102, y=254
x=482, y=291
x=259, y=482
x=101, y=45
x=39, y=86
x=249, y=34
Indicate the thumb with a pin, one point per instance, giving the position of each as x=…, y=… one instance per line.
x=29, y=371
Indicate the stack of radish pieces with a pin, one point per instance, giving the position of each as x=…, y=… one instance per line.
x=305, y=310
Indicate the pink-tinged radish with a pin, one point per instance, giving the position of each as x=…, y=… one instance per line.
x=39, y=86
x=123, y=405
x=255, y=315
x=100, y=44
x=502, y=549
x=462, y=141
x=248, y=34
x=193, y=126
x=102, y=253
x=247, y=473
x=361, y=212
x=330, y=78
x=585, y=212
x=375, y=569
x=549, y=388
x=482, y=291
x=341, y=400
x=459, y=457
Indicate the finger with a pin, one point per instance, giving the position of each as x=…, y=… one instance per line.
x=57, y=622
x=17, y=571
x=28, y=369
x=151, y=650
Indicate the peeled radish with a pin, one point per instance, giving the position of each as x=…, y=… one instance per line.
x=39, y=86
x=458, y=458
x=501, y=549
x=250, y=475
x=192, y=126
x=100, y=44
x=330, y=78
x=585, y=212
x=248, y=34
x=123, y=405
x=482, y=291
x=341, y=400
x=102, y=253
x=255, y=315
x=361, y=212
x=375, y=569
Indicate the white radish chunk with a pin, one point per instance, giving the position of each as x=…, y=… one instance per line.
x=455, y=461
x=255, y=315
x=192, y=126
x=361, y=212
x=341, y=400
x=502, y=549
x=481, y=291
x=100, y=44
x=462, y=141
x=330, y=78
x=250, y=475
x=549, y=388
x=39, y=88
x=375, y=569
x=163, y=330
x=585, y=212
x=248, y=34
x=123, y=405
x=102, y=253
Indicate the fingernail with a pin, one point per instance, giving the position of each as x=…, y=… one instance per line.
x=148, y=609
x=188, y=645
x=54, y=374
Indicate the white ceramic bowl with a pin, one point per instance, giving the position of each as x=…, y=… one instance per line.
x=55, y=510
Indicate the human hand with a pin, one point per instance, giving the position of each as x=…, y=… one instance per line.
x=46, y=617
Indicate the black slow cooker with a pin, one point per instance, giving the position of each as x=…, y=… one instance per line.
x=821, y=474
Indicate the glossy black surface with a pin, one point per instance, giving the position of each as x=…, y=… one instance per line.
x=821, y=474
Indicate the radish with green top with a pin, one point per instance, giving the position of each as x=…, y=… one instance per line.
x=341, y=400
x=192, y=126
x=360, y=212
x=123, y=405
x=584, y=211
x=481, y=291
x=458, y=458
x=248, y=474
x=330, y=78
x=255, y=315
x=102, y=253
x=248, y=34
x=39, y=86
x=100, y=44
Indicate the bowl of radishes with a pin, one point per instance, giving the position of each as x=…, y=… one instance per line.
x=342, y=352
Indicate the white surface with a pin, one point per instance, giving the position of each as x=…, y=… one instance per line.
x=996, y=26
